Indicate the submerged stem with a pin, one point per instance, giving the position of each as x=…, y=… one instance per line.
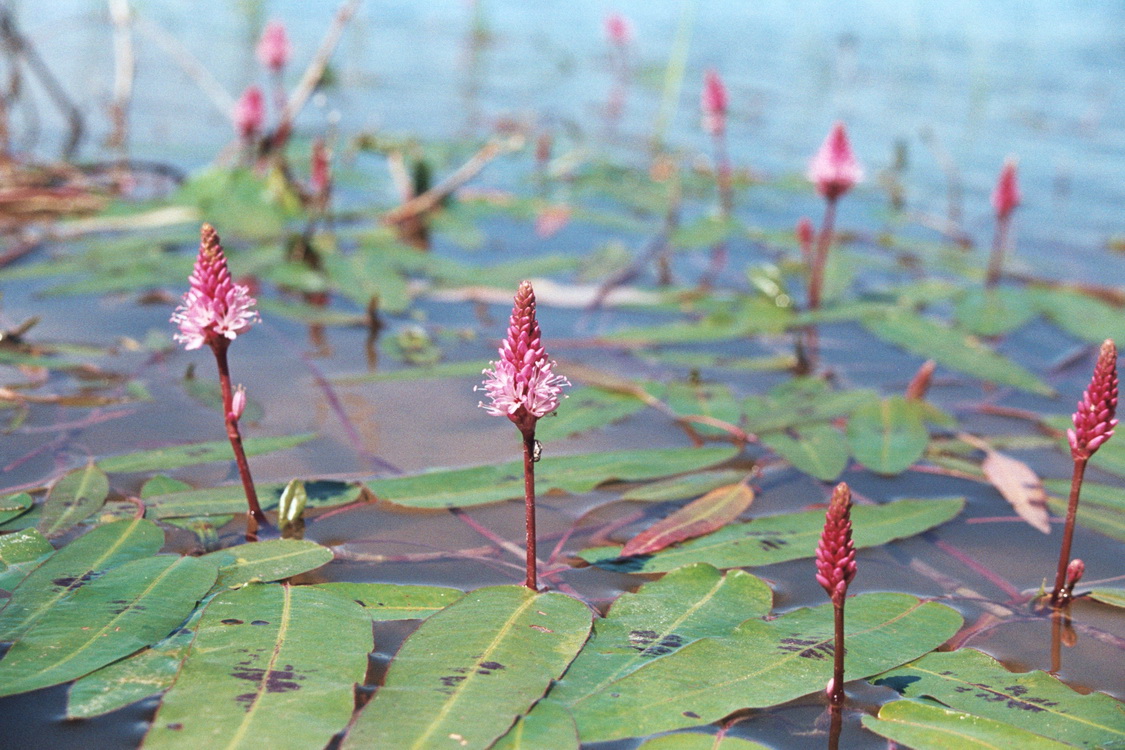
x=529, y=504
x=256, y=516
x=1058, y=596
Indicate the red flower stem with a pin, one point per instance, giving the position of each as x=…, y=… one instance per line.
x=1057, y=595
x=529, y=503
x=837, y=696
x=726, y=201
x=816, y=276
x=996, y=259
x=219, y=347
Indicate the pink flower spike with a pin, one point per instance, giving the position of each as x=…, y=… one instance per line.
x=522, y=386
x=249, y=112
x=238, y=403
x=1074, y=573
x=273, y=48
x=713, y=103
x=1006, y=196
x=1094, y=421
x=834, y=170
x=215, y=309
x=835, y=555
x=618, y=30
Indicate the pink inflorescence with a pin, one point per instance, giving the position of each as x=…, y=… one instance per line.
x=618, y=29
x=522, y=385
x=1006, y=194
x=215, y=309
x=1094, y=421
x=273, y=48
x=834, y=170
x=713, y=103
x=835, y=555
x=249, y=112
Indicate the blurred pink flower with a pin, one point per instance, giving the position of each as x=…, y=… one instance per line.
x=321, y=175
x=618, y=29
x=713, y=103
x=273, y=48
x=249, y=112
x=1094, y=421
x=215, y=309
x=522, y=385
x=1006, y=195
x=834, y=170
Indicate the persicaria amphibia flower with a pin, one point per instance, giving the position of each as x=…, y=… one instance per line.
x=1074, y=573
x=618, y=29
x=834, y=170
x=249, y=112
x=215, y=308
x=522, y=385
x=1094, y=421
x=1006, y=194
x=835, y=555
x=273, y=48
x=713, y=103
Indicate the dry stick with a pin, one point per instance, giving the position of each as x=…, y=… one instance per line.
x=190, y=65
x=219, y=347
x=1057, y=594
x=429, y=200
x=124, y=69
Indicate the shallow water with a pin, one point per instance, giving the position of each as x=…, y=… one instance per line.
x=1037, y=81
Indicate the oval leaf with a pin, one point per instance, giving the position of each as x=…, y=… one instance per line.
x=888, y=436
x=925, y=725
x=817, y=450
x=191, y=454
x=392, y=601
x=701, y=516
x=75, y=497
x=465, y=675
x=132, y=606
x=272, y=560
x=271, y=666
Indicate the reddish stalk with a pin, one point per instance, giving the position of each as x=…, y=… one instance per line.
x=219, y=347
x=1058, y=593
x=529, y=505
x=999, y=243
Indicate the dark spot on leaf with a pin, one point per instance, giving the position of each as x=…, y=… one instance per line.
x=175, y=726
x=492, y=665
x=691, y=714
x=898, y=684
x=231, y=621
x=357, y=601
x=67, y=582
x=260, y=622
x=1016, y=690
x=452, y=680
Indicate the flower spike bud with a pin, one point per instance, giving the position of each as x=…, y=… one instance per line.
x=522, y=385
x=834, y=170
x=1074, y=573
x=238, y=403
x=1094, y=421
x=835, y=555
x=1006, y=195
x=215, y=309
x=713, y=103
x=919, y=385
x=273, y=48
x=618, y=30
x=249, y=112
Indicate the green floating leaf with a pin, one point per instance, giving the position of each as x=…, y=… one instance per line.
x=742, y=319
x=763, y=663
x=888, y=436
x=75, y=497
x=953, y=349
x=663, y=616
x=465, y=675
x=20, y=552
x=393, y=601
x=231, y=499
x=271, y=666
x=14, y=506
x=75, y=565
x=586, y=409
x=178, y=456
x=992, y=312
x=272, y=560
x=681, y=488
x=973, y=682
x=790, y=536
x=1080, y=315
x=132, y=606
x=1112, y=597
x=697, y=741
x=926, y=726
x=459, y=488
x=801, y=402
x=432, y=372
x=146, y=673
x=817, y=450
x=548, y=725
x=704, y=232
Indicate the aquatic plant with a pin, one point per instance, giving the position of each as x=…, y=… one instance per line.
x=1005, y=199
x=214, y=311
x=523, y=387
x=835, y=569
x=273, y=48
x=249, y=114
x=1093, y=425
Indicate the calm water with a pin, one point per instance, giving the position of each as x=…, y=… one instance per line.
x=955, y=81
